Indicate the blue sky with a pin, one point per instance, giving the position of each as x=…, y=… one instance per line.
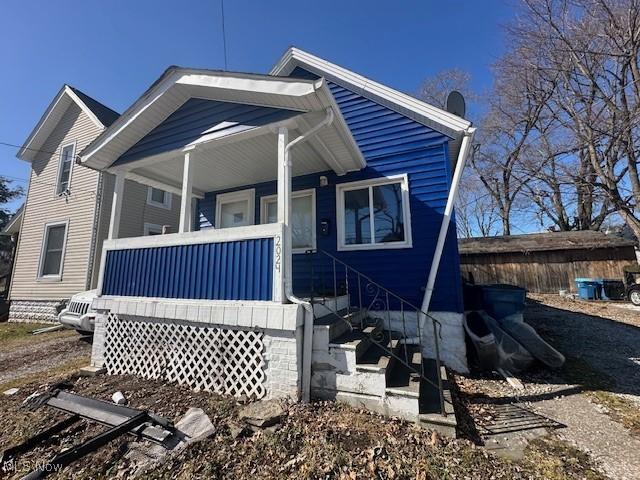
x=113, y=50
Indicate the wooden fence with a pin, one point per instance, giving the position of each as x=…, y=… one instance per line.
x=546, y=271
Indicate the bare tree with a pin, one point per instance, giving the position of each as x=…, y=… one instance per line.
x=515, y=108
x=587, y=53
x=436, y=89
x=476, y=212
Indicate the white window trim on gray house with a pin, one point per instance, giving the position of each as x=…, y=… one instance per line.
x=166, y=202
x=373, y=245
x=59, y=190
x=152, y=229
x=44, y=251
x=264, y=215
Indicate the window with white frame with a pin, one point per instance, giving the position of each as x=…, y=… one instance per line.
x=374, y=214
x=64, y=168
x=235, y=209
x=158, y=198
x=53, y=246
x=303, y=218
x=152, y=229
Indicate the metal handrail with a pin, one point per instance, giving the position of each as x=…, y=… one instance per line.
x=380, y=290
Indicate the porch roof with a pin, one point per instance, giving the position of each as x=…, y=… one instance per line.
x=231, y=120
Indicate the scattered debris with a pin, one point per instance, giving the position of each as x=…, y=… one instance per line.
x=55, y=328
x=194, y=426
x=237, y=429
x=91, y=371
x=118, y=398
x=11, y=391
x=121, y=420
x=511, y=380
x=262, y=414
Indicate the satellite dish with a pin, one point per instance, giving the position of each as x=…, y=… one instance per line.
x=456, y=104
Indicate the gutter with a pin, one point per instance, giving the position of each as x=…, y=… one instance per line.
x=307, y=340
x=446, y=219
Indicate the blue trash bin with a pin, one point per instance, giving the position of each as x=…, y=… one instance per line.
x=502, y=300
x=589, y=288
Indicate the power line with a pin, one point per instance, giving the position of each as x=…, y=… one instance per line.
x=37, y=181
x=224, y=35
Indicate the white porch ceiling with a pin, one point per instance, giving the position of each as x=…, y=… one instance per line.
x=218, y=167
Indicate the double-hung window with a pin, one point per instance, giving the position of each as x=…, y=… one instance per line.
x=158, y=198
x=64, y=168
x=53, y=246
x=303, y=218
x=374, y=214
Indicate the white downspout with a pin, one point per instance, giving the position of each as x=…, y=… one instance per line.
x=288, y=283
x=465, y=147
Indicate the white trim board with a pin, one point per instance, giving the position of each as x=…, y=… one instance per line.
x=45, y=238
x=166, y=204
x=406, y=211
x=150, y=228
x=208, y=235
x=407, y=105
x=298, y=193
x=248, y=195
x=71, y=144
x=47, y=122
x=177, y=85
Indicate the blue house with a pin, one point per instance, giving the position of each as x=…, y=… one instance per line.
x=315, y=254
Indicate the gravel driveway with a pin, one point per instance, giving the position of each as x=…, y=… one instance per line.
x=604, y=335
x=41, y=353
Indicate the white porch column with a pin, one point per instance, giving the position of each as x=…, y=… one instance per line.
x=284, y=207
x=186, y=220
x=116, y=206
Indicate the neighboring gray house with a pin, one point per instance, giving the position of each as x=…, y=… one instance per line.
x=66, y=213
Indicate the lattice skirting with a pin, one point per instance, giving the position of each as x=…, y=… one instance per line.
x=207, y=358
x=42, y=311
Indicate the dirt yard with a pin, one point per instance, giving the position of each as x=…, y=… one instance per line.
x=24, y=356
x=321, y=440
x=593, y=402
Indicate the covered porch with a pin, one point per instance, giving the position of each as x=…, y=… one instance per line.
x=214, y=142
x=192, y=133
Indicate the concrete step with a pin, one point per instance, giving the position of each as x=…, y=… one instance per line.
x=353, y=364
x=430, y=410
x=377, y=358
x=335, y=324
x=327, y=329
x=356, y=341
x=403, y=384
x=323, y=306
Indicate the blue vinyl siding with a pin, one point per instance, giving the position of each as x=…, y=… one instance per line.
x=392, y=144
x=240, y=270
x=197, y=117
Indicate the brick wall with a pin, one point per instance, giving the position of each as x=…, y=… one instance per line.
x=281, y=355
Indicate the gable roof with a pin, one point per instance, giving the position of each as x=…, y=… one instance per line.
x=416, y=109
x=177, y=85
x=534, y=242
x=101, y=115
x=14, y=223
x=105, y=115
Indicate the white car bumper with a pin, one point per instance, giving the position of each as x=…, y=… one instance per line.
x=84, y=322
